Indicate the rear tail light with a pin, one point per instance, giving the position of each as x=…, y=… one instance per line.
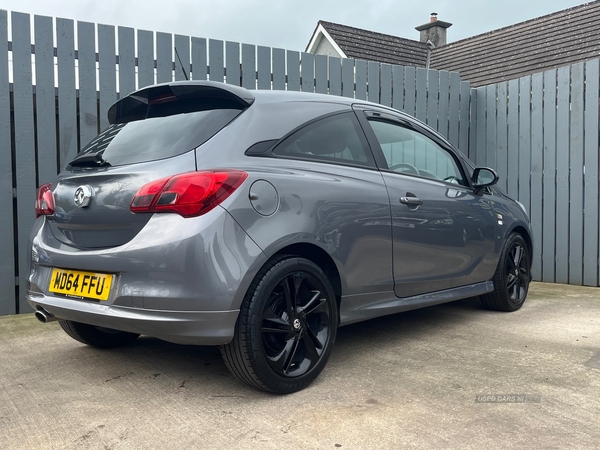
x=189, y=194
x=44, y=203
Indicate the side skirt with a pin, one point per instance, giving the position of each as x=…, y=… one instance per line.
x=356, y=308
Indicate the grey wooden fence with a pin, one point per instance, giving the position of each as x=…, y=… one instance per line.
x=541, y=134
x=55, y=92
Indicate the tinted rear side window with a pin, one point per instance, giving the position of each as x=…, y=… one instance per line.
x=333, y=139
x=159, y=137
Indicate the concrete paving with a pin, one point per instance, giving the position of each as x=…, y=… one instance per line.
x=411, y=380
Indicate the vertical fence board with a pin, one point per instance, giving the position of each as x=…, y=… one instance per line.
x=513, y=138
x=307, y=69
x=88, y=97
x=67, y=112
x=45, y=100
x=264, y=67
x=126, y=38
x=385, y=97
x=8, y=303
x=421, y=94
x=107, y=71
x=433, y=93
x=454, y=109
x=373, y=81
x=434, y=160
x=199, y=60
x=525, y=141
x=410, y=89
x=562, y=174
x=502, y=133
x=348, y=77
x=420, y=154
x=216, y=61
x=443, y=103
x=278, y=69
x=24, y=142
x=182, y=57
x=321, y=79
x=437, y=116
x=232, y=64
x=360, y=80
x=537, y=161
x=164, y=58
x=145, y=51
x=293, y=71
x=591, y=218
x=248, y=66
x=464, y=123
x=576, y=181
x=398, y=87
x=491, y=138
x=480, y=150
x=335, y=76
x=421, y=110
x=549, y=211
x=472, y=125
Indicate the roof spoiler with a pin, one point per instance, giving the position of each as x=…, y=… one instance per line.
x=176, y=98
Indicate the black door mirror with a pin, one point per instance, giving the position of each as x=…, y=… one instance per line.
x=483, y=177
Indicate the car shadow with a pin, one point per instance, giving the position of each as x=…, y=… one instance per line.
x=407, y=323
x=418, y=324
x=154, y=359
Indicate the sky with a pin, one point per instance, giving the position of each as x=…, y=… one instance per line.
x=289, y=25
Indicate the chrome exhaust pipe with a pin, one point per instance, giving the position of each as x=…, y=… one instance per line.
x=44, y=316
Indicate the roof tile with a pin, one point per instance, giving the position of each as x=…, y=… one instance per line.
x=554, y=40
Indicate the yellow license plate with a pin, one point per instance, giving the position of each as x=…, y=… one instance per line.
x=81, y=284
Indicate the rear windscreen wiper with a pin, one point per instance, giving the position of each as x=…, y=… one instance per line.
x=90, y=160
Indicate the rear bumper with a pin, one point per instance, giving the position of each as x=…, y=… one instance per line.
x=180, y=327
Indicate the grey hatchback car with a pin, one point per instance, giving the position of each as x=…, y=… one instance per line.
x=261, y=221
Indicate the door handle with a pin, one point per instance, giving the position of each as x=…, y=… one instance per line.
x=410, y=201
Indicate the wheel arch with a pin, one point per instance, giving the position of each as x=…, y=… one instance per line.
x=527, y=237
x=321, y=258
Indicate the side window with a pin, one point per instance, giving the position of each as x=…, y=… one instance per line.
x=409, y=151
x=336, y=139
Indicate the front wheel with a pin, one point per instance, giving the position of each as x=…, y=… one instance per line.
x=512, y=277
x=286, y=327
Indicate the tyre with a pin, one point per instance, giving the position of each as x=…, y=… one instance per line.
x=512, y=277
x=97, y=336
x=286, y=327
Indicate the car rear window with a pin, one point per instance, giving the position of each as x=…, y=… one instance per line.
x=157, y=138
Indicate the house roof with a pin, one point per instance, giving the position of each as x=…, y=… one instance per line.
x=565, y=37
x=371, y=46
x=558, y=39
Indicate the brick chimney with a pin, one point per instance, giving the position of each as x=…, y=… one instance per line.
x=434, y=31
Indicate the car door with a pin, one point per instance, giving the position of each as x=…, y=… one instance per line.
x=442, y=230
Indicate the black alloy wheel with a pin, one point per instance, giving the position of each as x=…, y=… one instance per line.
x=512, y=277
x=296, y=324
x=517, y=273
x=286, y=328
